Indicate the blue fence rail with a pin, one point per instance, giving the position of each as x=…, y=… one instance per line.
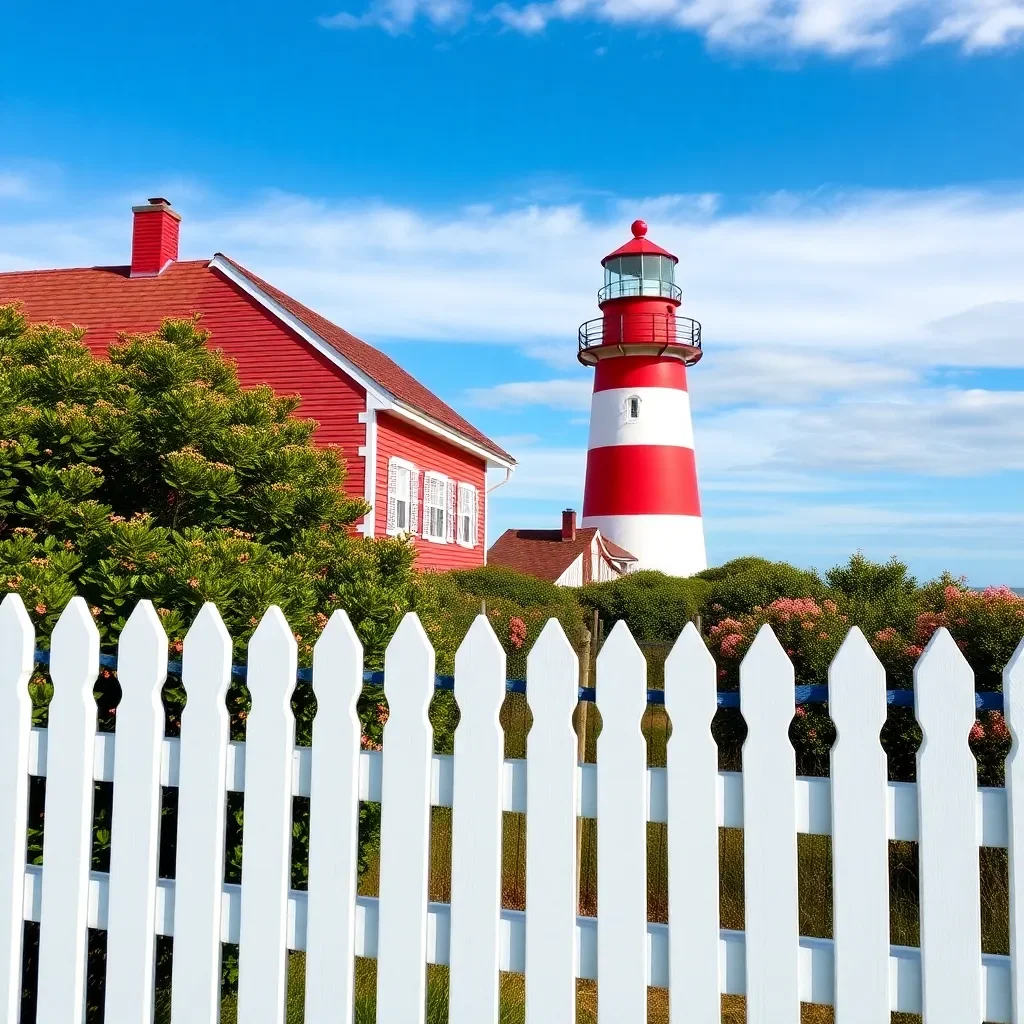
x=983, y=701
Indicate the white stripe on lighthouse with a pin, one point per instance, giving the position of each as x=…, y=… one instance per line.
x=671, y=544
x=663, y=418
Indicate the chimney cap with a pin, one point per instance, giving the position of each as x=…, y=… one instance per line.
x=157, y=205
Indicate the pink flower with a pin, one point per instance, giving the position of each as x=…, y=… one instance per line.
x=976, y=733
x=823, y=636
x=951, y=593
x=516, y=632
x=382, y=713
x=801, y=713
x=830, y=606
x=886, y=636
x=730, y=643
x=914, y=651
x=997, y=726
x=786, y=608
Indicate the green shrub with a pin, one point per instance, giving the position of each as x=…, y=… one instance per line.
x=656, y=607
x=744, y=584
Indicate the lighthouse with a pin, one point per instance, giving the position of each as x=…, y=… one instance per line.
x=641, y=487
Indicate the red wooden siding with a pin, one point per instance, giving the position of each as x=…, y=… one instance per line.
x=396, y=437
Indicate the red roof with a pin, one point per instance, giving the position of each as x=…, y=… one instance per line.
x=639, y=244
x=543, y=553
x=107, y=302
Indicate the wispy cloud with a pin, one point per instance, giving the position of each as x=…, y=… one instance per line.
x=875, y=28
x=15, y=186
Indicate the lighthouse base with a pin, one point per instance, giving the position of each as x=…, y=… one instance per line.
x=670, y=544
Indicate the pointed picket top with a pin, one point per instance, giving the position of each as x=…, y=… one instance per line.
x=480, y=668
x=690, y=658
x=769, y=694
x=620, y=666
x=854, y=661
x=1013, y=705
x=75, y=647
x=142, y=651
x=944, y=689
x=404, y=660
x=338, y=663
x=273, y=656
x=206, y=655
x=17, y=640
x=1013, y=693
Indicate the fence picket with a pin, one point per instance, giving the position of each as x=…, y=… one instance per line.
x=334, y=824
x=67, y=836
x=476, y=827
x=1013, y=696
x=621, y=830
x=202, y=791
x=691, y=700
x=267, y=822
x=860, y=846
x=552, y=672
x=769, y=834
x=405, y=826
x=17, y=642
x=947, y=782
x=135, y=820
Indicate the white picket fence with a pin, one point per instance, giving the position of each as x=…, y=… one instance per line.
x=948, y=979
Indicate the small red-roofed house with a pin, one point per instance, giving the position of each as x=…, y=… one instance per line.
x=417, y=462
x=569, y=557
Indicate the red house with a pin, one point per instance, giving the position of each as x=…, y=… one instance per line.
x=419, y=464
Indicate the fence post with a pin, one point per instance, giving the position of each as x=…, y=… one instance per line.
x=17, y=641
x=1013, y=697
x=67, y=839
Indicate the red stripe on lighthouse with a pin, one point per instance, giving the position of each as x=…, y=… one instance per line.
x=627, y=480
x=639, y=372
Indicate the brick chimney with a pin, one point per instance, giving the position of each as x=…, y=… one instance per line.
x=154, y=238
x=569, y=524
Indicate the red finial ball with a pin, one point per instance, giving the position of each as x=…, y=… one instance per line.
x=639, y=228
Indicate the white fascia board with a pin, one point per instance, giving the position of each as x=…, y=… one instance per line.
x=383, y=399
x=304, y=332
x=433, y=427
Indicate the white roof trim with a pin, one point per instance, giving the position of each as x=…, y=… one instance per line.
x=432, y=426
x=608, y=555
x=383, y=398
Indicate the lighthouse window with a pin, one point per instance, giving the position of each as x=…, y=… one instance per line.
x=633, y=407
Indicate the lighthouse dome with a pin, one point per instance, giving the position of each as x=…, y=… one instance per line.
x=640, y=268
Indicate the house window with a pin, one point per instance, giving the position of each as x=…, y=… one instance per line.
x=403, y=485
x=633, y=407
x=435, y=507
x=467, y=515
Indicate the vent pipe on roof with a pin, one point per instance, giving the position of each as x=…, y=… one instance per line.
x=154, y=238
x=569, y=524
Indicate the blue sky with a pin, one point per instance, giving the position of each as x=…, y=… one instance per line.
x=842, y=179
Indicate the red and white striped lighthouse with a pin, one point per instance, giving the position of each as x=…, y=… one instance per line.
x=641, y=489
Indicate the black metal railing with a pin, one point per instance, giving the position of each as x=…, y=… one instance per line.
x=626, y=329
x=633, y=287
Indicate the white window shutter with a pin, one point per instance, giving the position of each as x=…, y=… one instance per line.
x=414, y=500
x=449, y=533
x=392, y=489
x=473, y=504
x=429, y=499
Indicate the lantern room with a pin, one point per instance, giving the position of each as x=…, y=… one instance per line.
x=639, y=268
x=638, y=301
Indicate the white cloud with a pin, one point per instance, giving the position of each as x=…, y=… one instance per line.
x=563, y=395
x=397, y=16
x=876, y=28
